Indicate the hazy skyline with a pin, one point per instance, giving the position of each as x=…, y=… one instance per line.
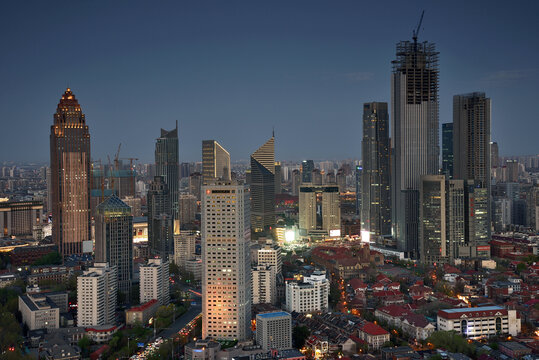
x=232, y=70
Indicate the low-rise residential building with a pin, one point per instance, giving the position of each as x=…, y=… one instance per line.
x=514, y=349
x=392, y=314
x=101, y=334
x=141, y=314
x=480, y=321
x=39, y=312
x=417, y=326
x=374, y=335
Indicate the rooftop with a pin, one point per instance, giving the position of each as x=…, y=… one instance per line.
x=273, y=314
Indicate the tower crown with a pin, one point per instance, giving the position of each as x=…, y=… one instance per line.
x=68, y=110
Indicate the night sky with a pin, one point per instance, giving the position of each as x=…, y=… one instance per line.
x=231, y=70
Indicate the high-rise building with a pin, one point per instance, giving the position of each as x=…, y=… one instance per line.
x=471, y=148
x=263, y=285
x=195, y=183
x=226, y=258
x=359, y=171
x=450, y=228
x=414, y=102
x=114, y=239
x=167, y=165
x=307, y=167
x=184, y=247
x=70, y=178
x=274, y=330
x=270, y=254
x=296, y=182
x=160, y=221
x=512, y=171
x=319, y=210
x=278, y=178
x=310, y=295
x=375, y=192
x=263, y=186
x=494, y=154
x=447, y=149
x=96, y=296
x=215, y=161
x=154, y=282
x=188, y=209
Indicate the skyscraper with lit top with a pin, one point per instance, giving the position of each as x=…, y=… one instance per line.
x=70, y=178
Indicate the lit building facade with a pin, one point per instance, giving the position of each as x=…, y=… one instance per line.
x=215, y=161
x=226, y=258
x=20, y=218
x=375, y=191
x=415, y=152
x=70, y=178
x=480, y=322
x=319, y=209
x=308, y=296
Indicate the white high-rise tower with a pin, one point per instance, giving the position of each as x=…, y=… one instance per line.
x=226, y=257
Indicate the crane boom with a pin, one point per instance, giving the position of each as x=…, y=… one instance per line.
x=416, y=31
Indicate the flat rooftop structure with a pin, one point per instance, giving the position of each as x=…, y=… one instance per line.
x=273, y=314
x=464, y=310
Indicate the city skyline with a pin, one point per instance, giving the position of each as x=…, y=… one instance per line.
x=243, y=96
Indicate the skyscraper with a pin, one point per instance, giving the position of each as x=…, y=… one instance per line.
x=114, y=239
x=471, y=146
x=226, y=257
x=70, y=178
x=167, y=165
x=414, y=102
x=359, y=170
x=215, y=161
x=154, y=282
x=447, y=149
x=96, y=296
x=319, y=210
x=375, y=192
x=263, y=186
x=494, y=155
x=307, y=167
x=160, y=228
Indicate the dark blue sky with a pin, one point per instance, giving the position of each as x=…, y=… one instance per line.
x=230, y=70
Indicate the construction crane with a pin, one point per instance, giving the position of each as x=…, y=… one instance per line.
x=416, y=31
x=111, y=176
x=117, y=158
x=131, y=159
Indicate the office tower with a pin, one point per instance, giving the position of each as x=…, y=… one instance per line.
x=501, y=213
x=38, y=311
x=184, y=247
x=20, y=218
x=160, y=221
x=494, y=154
x=96, y=296
x=274, y=330
x=278, y=178
x=215, y=161
x=340, y=180
x=471, y=148
x=114, y=239
x=450, y=228
x=532, y=206
x=375, y=182
x=188, y=209
x=447, y=149
x=70, y=178
x=319, y=210
x=195, y=182
x=167, y=165
x=329, y=179
x=414, y=105
x=263, y=186
x=185, y=170
x=226, y=258
x=309, y=295
x=135, y=204
x=296, y=182
x=263, y=285
x=270, y=254
x=359, y=172
x=307, y=167
x=511, y=167
x=154, y=283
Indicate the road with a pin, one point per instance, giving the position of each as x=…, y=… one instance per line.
x=193, y=312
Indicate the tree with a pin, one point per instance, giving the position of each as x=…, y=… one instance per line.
x=521, y=267
x=52, y=258
x=451, y=341
x=84, y=345
x=173, y=269
x=299, y=335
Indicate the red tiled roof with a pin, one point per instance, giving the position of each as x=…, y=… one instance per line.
x=417, y=320
x=357, y=284
x=143, y=306
x=373, y=329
